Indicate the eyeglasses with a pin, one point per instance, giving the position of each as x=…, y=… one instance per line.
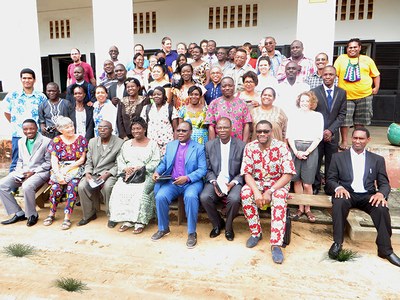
x=219, y=128
x=265, y=131
x=269, y=43
x=103, y=128
x=182, y=130
x=248, y=82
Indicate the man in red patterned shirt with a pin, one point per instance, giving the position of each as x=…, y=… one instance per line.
x=267, y=168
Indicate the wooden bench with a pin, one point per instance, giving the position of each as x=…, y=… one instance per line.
x=42, y=195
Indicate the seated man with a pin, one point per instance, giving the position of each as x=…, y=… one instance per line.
x=32, y=171
x=351, y=181
x=267, y=168
x=224, y=157
x=101, y=165
x=185, y=162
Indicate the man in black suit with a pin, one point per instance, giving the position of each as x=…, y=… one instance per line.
x=351, y=181
x=117, y=90
x=332, y=106
x=224, y=157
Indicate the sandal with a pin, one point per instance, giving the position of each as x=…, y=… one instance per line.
x=138, y=229
x=298, y=214
x=48, y=221
x=310, y=216
x=66, y=224
x=125, y=227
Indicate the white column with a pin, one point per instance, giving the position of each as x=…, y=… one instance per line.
x=112, y=25
x=316, y=26
x=20, y=46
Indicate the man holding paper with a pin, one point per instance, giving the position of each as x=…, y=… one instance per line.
x=224, y=157
x=101, y=171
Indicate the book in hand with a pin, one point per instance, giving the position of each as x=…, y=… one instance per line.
x=164, y=178
x=19, y=176
x=94, y=183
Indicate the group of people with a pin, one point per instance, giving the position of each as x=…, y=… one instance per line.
x=203, y=127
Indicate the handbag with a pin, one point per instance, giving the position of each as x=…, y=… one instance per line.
x=288, y=230
x=75, y=172
x=139, y=176
x=353, y=73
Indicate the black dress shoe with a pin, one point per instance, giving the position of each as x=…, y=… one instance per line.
x=84, y=222
x=392, y=258
x=14, y=219
x=111, y=224
x=216, y=231
x=32, y=220
x=334, y=250
x=230, y=235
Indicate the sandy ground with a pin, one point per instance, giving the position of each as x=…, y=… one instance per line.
x=128, y=266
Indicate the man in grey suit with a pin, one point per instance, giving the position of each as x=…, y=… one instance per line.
x=224, y=158
x=31, y=173
x=332, y=105
x=101, y=165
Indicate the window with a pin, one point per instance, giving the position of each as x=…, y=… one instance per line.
x=145, y=22
x=59, y=29
x=233, y=16
x=347, y=10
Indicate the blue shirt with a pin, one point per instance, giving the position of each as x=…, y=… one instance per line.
x=21, y=107
x=131, y=65
x=170, y=58
x=213, y=92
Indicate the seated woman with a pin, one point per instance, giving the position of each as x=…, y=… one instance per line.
x=180, y=91
x=268, y=111
x=103, y=109
x=249, y=94
x=161, y=118
x=68, y=154
x=130, y=106
x=305, y=129
x=195, y=113
x=82, y=115
x=133, y=203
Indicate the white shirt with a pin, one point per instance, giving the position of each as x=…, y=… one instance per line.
x=225, y=150
x=358, y=164
x=120, y=90
x=287, y=95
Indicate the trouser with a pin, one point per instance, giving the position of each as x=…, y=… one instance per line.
x=14, y=152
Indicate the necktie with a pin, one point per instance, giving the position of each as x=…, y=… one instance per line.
x=330, y=99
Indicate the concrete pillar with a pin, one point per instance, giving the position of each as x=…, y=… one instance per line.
x=112, y=26
x=20, y=46
x=316, y=26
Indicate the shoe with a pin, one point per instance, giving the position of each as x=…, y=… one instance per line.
x=111, y=224
x=125, y=226
x=138, y=228
x=159, y=234
x=253, y=241
x=334, y=250
x=298, y=215
x=310, y=216
x=315, y=191
x=392, y=258
x=84, y=222
x=277, y=255
x=32, y=220
x=216, y=231
x=192, y=240
x=229, y=235
x=14, y=219
x=48, y=221
x=66, y=224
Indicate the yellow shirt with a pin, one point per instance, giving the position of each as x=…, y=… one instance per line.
x=368, y=70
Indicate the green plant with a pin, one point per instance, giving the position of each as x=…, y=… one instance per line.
x=346, y=255
x=19, y=250
x=71, y=284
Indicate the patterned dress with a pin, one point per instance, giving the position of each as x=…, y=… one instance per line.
x=236, y=110
x=134, y=202
x=200, y=131
x=276, y=116
x=199, y=73
x=267, y=167
x=65, y=153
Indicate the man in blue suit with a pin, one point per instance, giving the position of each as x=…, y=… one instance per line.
x=185, y=163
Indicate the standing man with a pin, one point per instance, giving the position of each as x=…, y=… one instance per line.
x=214, y=86
x=109, y=74
x=357, y=179
x=236, y=72
x=224, y=158
x=22, y=105
x=79, y=75
x=117, y=90
x=222, y=60
x=185, y=162
x=357, y=73
x=315, y=79
x=332, y=105
x=170, y=56
x=267, y=168
x=33, y=170
x=101, y=165
x=51, y=109
x=274, y=55
x=210, y=57
x=306, y=65
x=231, y=107
x=76, y=61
